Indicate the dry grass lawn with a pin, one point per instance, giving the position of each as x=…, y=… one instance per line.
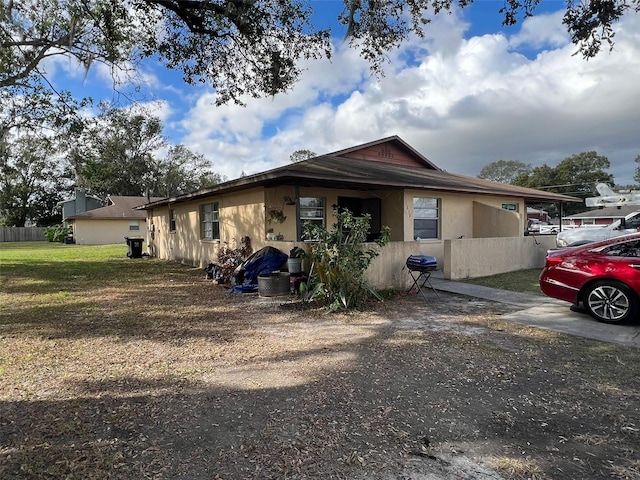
x=137, y=368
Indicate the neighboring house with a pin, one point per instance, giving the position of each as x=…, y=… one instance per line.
x=81, y=202
x=599, y=216
x=110, y=224
x=537, y=214
x=472, y=226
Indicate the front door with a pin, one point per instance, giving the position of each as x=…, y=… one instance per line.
x=361, y=206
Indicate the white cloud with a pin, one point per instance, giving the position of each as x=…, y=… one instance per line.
x=542, y=31
x=463, y=103
x=158, y=108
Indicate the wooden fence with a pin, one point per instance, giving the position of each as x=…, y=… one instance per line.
x=22, y=234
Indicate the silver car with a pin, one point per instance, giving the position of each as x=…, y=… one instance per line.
x=583, y=235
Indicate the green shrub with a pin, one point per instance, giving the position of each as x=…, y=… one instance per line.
x=340, y=261
x=57, y=233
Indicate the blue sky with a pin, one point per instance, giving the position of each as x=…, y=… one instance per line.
x=471, y=93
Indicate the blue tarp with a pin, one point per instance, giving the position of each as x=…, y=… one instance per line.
x=264, y=261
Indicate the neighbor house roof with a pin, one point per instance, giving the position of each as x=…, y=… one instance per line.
x=386, y=163
x=69, y=200
x=118, y=208
x=607, y=212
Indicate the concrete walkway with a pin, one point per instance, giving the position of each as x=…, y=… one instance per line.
x=545, y=312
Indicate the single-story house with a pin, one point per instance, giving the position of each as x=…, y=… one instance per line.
x=110, y=224
x=81, y=202
x=472, y=226
x=599, y=216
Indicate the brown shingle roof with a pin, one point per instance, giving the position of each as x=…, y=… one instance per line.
x=349, y=171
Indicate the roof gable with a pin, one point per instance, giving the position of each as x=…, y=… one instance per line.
x=119, y=207
x=391, y=150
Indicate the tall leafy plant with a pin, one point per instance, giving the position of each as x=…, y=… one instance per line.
x=341, y=258
x=57, y=233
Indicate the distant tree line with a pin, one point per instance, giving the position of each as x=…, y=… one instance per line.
x=576, y=176
x=118, y=152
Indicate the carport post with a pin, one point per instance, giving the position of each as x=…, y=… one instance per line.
x=561, y=215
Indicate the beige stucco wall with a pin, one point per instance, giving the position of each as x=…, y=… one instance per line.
x=388, y=271
x=105, y=232
x=468, y=216
x=494, y=221
x=459, y=254
x=275, y=199
x=478, y=257
x=241, y=214
x=460, y=258
x=391, y=206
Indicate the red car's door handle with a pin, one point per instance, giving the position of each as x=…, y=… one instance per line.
x=633, y=265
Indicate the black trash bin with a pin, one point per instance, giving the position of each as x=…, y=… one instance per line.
x=135, y=246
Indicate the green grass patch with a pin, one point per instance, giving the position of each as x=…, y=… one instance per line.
x=54, y=272
x=28, y=252
x=523, y=281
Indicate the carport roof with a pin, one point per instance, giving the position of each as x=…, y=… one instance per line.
x=350, y=169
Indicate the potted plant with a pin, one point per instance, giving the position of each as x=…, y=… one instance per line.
x=294, y=262
x=276, y=215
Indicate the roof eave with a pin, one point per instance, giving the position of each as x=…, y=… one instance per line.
x=326, y=180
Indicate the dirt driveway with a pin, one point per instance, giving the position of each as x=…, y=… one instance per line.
x=196, y=383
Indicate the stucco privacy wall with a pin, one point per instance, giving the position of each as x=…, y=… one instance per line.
x=478, y=257
x=388, y=270
x=489, y=221
x=105, y=231
x=458, y=258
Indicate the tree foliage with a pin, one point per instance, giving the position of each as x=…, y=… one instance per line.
x=181, y=171
x=112, y=156
x=341, y=260
x=505, y=171
x=239, y=47
x=300, y=155
x=118, y=154
x=31, y=182
x=576, y=175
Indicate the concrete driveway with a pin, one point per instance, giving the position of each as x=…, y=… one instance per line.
x=544, y=312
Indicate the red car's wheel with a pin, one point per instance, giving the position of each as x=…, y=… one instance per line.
x=611, y=302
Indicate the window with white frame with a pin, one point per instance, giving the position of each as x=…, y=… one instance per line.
x=210, y=221
x=172, y=220
x=312, y=210
x=513, y=207
x=134, y=226
x=588, y=221
x=426, y=218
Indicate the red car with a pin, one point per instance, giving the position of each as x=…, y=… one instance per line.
x=604, y=277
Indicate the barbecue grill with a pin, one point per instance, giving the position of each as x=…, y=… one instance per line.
x=420, y=268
